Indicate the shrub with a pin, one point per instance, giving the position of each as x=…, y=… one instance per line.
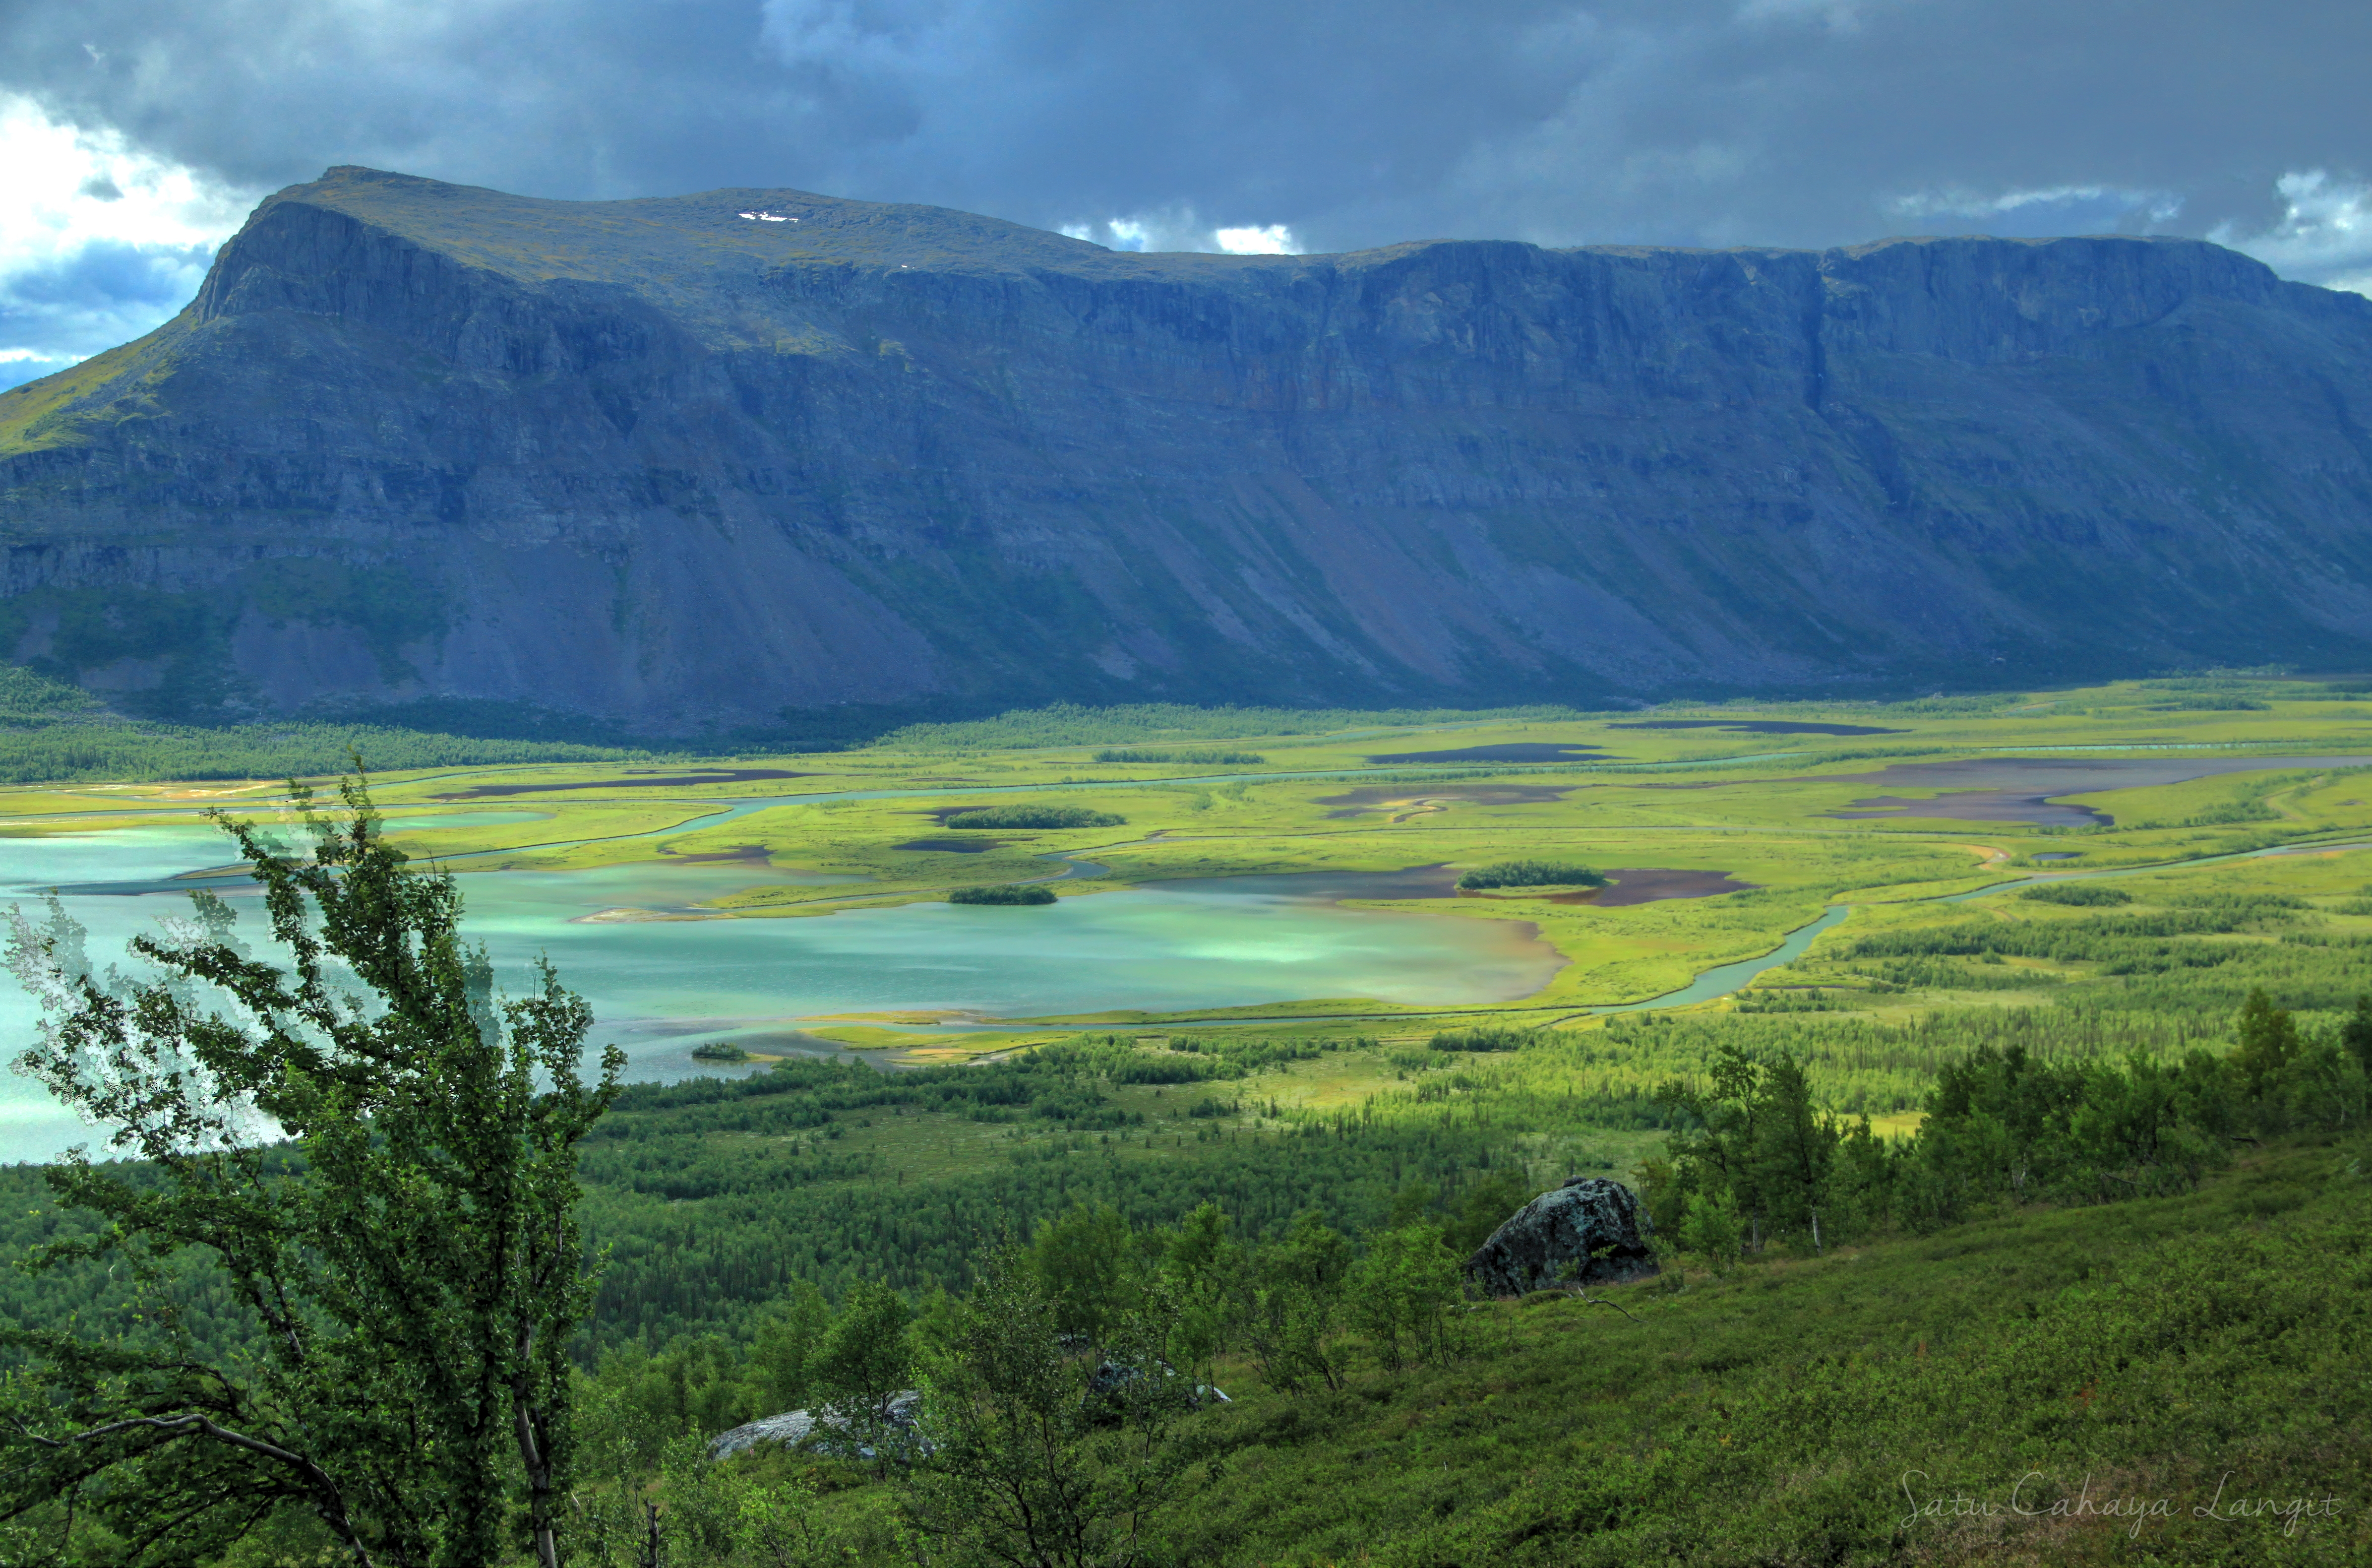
x=1531, y=873
x=1023, y=815
x=2084, y=893
x=1030, y=893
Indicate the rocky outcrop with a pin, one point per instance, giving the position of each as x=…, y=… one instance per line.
x=1590, y=1225
x=791, y=1426
x=657, y=460
x=827, y=1428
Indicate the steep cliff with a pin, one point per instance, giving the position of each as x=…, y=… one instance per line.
x=668, y=462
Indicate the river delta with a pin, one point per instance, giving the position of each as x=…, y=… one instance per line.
x=788, y=903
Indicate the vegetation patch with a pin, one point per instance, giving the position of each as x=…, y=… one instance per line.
x=1531, y=873
x=1024, y=815
x=1026, y=893
x=2081, y=894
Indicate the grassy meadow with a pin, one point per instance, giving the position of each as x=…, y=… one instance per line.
x=1837, y=1402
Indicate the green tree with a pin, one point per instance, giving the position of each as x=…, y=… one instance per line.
x=789, y=1341
x=385, y=1181
x=2268, y=1041
x=1485, y=1206
x=1401, y=1295
x=783, y=1525
x=1044, y=1455
x=866, y=1360
x=2356, y=1034
x=1412, y=1205
x=1794, y=1145
x=1083, y=1259
x=702, y=1383
x=1293, y=1315
x=1199, y=1268
x=1712, y=1231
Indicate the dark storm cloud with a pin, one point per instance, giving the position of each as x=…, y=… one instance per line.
x=1781, y=122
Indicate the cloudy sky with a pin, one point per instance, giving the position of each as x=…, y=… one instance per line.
x=134, y=134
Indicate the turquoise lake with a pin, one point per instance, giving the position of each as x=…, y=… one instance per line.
x=660, y=987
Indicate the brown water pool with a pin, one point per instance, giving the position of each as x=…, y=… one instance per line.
x=1653, y=884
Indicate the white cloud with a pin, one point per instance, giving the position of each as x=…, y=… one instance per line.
x=62, y=188
x=98, y=241
x=1177, y=228
x=1276, y=239
x=2109, y=203
x=2324, y=235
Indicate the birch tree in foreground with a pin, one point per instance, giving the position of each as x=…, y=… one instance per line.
x=378, y=1159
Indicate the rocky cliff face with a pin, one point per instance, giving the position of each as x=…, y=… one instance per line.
x=664, y=461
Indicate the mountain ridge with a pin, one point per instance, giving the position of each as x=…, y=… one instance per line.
x=659, y=462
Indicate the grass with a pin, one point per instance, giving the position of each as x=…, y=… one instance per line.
x=1774, y=1415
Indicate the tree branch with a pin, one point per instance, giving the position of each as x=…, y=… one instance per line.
x=1588, y=1300
x=184, y=1425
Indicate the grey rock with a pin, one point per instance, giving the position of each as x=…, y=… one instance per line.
x=1110, y=1378
x=791, y=1426
x=822, y=1428
x=647, y=459
x=1573, y=1222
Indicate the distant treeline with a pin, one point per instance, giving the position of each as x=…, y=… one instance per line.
x=1064, y=724
x=130, y=752
x=51, y=731
x=1204, y=756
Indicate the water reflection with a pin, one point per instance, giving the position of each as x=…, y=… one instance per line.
x=660, y=986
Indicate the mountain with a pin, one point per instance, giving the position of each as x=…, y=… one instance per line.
x=699, y=460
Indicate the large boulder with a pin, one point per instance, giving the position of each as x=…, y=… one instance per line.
x=827, y=1427
x=1589, y=1220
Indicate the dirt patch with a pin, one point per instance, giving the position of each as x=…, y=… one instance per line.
x=1652, y=884
x=632, y=781
x=1756, y=726
x=1512, y=752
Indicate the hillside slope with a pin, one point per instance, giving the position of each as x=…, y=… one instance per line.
x=665, y=462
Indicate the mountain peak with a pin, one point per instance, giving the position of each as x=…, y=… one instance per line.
x=697, y=459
